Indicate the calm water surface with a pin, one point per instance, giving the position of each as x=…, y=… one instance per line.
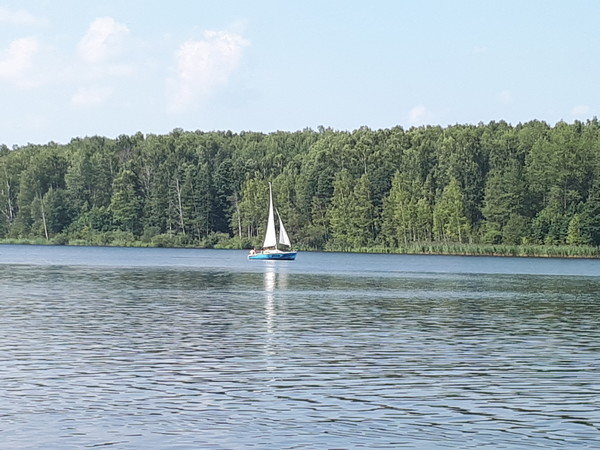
x=159, y=348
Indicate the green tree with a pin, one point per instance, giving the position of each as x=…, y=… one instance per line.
x=126, y=203
x=58, y=211
x=341, y=211
x=461, y=158
x=423, y=220
x=90, y=173
x=450, y=222
x=515, y=230
x=399, y=214
x=361, y=232
x=9, y=187
x=575, y=234
x=505, y=195
x=588, y=222
x=252, y=209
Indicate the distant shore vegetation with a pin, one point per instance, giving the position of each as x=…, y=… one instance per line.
x=490, y=189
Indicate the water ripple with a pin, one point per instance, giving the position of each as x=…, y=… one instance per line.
x=180, y=358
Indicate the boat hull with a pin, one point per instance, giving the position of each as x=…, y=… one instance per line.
x=279, y=256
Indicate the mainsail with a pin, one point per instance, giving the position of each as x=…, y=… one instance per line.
x=270, y=236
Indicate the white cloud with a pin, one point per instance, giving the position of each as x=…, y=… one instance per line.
x=104, y=39
x=91, y=96
x=18, y=59
x=20, y=17
x=580, y=111
x=419, y=115
x=202, y=67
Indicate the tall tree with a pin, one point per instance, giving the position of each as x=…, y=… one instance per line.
x=399, y=213
x=450, y=222
x=362, y=219
x=126, y=203
x=341, y=211
x=505, y=195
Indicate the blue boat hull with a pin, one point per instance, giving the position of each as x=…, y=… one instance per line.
x=279, y=256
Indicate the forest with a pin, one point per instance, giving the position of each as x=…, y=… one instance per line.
x=495, y=188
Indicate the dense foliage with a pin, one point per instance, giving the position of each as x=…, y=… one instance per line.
x=490, y=184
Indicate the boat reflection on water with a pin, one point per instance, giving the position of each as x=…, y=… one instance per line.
x=269, y=284
x=273, y=281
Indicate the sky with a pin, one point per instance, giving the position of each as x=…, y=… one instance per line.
x=73, y=68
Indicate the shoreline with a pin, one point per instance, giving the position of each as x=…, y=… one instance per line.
x=523, y=251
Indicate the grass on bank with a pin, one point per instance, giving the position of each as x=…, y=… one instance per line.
x=224, y=241
x=547, y=251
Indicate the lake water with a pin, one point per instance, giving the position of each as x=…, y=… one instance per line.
x=164, y=348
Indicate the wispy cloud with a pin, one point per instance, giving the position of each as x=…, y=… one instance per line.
x=103, y=40
x=18, y=60
x=91, y=96
x=202, y=67
x=419, y=115
x=580, y=111
x=20, y=17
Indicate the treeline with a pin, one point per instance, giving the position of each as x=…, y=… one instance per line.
x=486, y=185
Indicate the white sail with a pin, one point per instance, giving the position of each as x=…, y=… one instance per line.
x=270, y=237
x=270, y=250
x=283, y=236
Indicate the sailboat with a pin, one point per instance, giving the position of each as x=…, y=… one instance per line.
x=270, y=249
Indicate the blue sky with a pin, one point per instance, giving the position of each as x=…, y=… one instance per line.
x=72, y=68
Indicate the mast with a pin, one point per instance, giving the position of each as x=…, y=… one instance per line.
x=270, y=236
